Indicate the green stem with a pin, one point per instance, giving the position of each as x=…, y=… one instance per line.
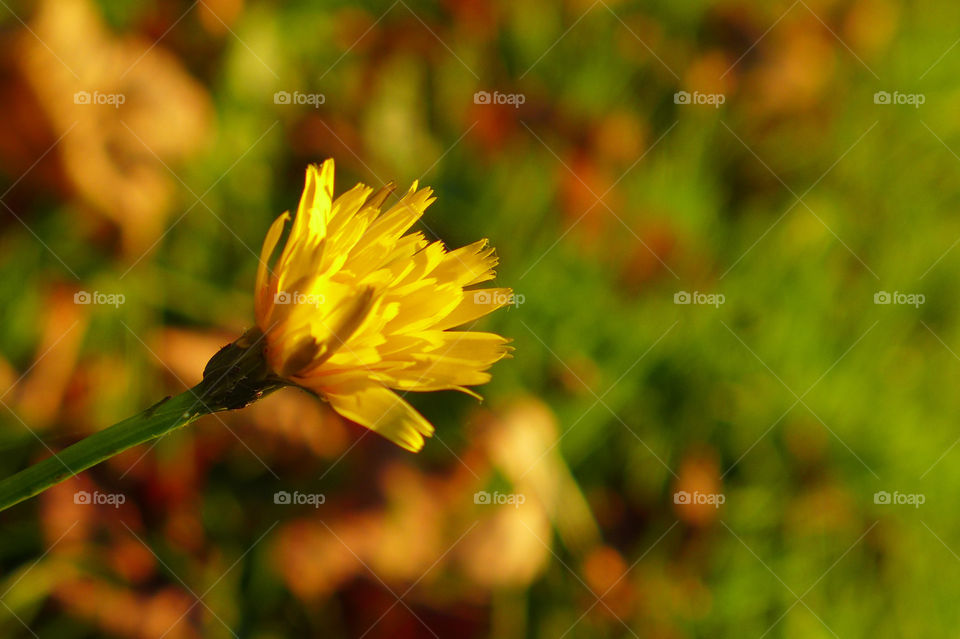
x=236, y=376
x=158, y=420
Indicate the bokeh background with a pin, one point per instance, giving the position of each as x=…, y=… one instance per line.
x=787, y=199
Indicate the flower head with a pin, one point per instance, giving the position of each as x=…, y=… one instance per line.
x=355, y=307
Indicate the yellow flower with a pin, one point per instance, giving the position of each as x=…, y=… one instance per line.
x=353, y=307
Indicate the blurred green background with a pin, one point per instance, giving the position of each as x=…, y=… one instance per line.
x=790, y=169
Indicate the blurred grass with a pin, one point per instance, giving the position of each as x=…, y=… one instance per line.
x=712, y=404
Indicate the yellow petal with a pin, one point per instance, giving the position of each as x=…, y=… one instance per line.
x=340, y=324
x=475, y=304
x=310, y=225
x=447, y=360
x=468, y=265
x=382, y=411
x=384, y=232
x=481, y=348
x=421, y=306
x=262, y=299
x=346, y=225
x=315, y=203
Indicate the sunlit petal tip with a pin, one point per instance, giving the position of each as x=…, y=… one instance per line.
x=261, y=295
x=325, y=177
x=378, y=197
x=470, y=392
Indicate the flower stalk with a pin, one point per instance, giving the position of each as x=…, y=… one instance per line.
x=235, y=377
